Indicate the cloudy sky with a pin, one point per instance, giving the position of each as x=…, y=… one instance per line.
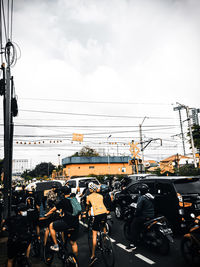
x=106, y=65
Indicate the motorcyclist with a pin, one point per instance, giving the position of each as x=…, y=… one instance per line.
x=144, y=211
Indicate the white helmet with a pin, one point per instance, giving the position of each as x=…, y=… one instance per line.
x=92, y=186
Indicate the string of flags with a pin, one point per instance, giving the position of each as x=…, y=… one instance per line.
x=75, y=138
x=37, y=143
x=61, y=141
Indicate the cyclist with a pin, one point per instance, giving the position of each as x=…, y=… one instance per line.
x=144, y=211
x=33, y=209
x=68, y=221
x=95, y=200
x=52, y=195
x=19, y=236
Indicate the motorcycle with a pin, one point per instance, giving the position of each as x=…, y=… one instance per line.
x=190, y=243
x=109, y=224
x=155, y=233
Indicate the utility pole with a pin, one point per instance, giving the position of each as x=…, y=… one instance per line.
x=191, y=136
x=182, y=135
x=141, y=141
x=8, y=137
x=190, y=131
x=108, y=155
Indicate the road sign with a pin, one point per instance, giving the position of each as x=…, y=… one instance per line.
x=77, y=137
x=134, y=150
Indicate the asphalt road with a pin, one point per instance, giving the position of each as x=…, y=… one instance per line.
x=141, y=257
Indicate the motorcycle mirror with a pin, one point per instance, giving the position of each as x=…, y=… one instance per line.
x=192, y=215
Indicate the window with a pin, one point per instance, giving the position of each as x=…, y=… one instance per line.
x=83, y=183
x=151, y=186
x=72, y=184
x=163, y=189
x=133, y=189
x=91, y=167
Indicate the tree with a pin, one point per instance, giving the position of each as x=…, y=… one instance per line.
x=196, y=136
x=1, y=165
x=42, y=169
x=86, y=151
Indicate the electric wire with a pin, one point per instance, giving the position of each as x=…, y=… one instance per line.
x=93, y=101
x=91, y=115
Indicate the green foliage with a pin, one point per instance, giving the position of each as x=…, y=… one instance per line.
x=185, y=170
x=189, y=170
x=1, y=165
x=41, y=170
x=86, y=151
x=196, y=135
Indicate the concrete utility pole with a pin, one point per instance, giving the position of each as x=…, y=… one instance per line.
x=108, y=155
x=190, y=131
x=182, y=135
x=8, y=138
x=141, y=141
x=191, y=136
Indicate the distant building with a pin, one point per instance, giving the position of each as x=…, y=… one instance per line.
x=83, y=166
x=178, y=159
x=19, y=166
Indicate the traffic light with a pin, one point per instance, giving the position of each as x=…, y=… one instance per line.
x=133, y=161
x=2, y=87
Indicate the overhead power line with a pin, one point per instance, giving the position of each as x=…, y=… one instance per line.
x=94, y=102
x=90, y=126
x=91, y=115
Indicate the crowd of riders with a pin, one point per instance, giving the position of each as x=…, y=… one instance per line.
x=32, y=212
x=58, y=211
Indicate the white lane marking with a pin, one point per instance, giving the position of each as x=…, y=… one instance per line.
x=144, y=259
x=124, y=247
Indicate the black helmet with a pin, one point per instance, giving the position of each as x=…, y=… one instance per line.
x=66, y=190
x=143, y=188
x=55, y=185
x=21, y=207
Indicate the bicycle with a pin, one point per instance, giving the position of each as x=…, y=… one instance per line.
x=68, y=258
x=21, y=259
x=35, y=245
x=104, y=244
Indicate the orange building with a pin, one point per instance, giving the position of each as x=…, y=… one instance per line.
x=83, y=166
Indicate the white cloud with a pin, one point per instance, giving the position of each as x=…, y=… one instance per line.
x=131, y=51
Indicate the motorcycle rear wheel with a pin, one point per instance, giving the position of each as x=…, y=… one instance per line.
x=190, y=252
x=163, y=244
x=127, y=231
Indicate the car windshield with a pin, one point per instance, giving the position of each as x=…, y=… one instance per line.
x=82, y=183
x=188, y=186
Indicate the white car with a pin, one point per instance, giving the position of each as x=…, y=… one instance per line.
x=80, y=183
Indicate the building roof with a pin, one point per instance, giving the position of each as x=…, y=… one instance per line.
x=93, y=160
x=174, y=157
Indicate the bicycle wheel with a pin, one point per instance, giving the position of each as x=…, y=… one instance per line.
x=107, y=250
x=21, y=261
x=48, y=254
x=35, y=248
x=71, y=261
x=90, y=238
